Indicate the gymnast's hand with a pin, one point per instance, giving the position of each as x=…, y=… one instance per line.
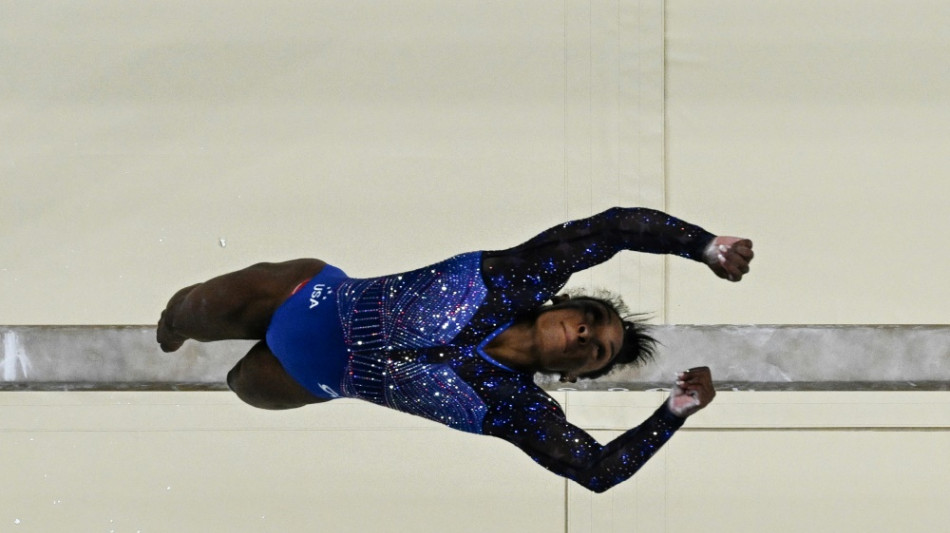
x=692, y=391
x=729, y=257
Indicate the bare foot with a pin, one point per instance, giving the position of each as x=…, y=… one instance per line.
x=167, y=339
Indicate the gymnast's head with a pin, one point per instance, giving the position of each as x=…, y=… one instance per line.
x=584, y=336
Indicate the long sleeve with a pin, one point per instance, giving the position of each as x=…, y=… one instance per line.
x=542, y=432
x=549, y=259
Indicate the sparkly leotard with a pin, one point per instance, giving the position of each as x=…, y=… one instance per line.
x=415, y=341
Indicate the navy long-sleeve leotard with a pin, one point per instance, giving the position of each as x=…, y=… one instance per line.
x=415, y=341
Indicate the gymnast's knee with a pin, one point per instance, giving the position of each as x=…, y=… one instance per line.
x=254, y=395
x=237, y=386
x=233, y=379
x=243, y=389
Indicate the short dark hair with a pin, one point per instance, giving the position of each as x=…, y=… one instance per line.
x=638, y=347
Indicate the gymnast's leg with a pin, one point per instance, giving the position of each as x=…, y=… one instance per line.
x=259, y=380
x=238, y=305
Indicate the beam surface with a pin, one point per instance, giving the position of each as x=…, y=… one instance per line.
x=751, y=357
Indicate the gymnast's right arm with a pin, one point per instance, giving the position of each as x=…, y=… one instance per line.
x=549, y=259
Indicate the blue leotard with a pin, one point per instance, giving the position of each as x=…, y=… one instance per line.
x=415, y=341
x=307, y=334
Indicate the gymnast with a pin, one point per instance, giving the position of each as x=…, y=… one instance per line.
x=459, y=342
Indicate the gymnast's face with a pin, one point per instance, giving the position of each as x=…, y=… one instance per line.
x=577, y=337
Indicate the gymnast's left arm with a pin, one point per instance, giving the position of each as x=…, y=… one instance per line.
x=571, y=452
x=542, y=431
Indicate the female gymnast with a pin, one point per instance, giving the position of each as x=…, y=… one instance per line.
x=458, y=342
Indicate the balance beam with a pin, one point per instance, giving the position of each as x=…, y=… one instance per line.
x=742, y=357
